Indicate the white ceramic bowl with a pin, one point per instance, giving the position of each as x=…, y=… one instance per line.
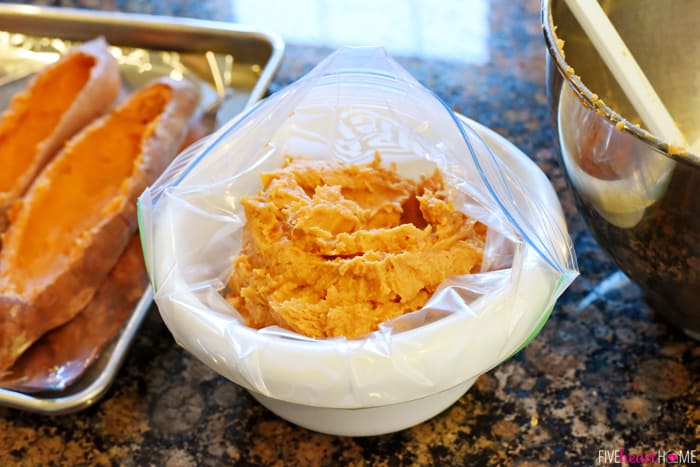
x=315, y=383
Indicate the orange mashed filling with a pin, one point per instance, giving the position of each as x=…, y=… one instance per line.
x=36, y=114
x=334, y=249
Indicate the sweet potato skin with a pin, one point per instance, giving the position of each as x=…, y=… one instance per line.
x=95, y=99
x=25, y=315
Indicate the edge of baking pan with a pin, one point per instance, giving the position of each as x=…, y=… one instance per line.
x=136, y=30
x=62, y=403
x=154, y=32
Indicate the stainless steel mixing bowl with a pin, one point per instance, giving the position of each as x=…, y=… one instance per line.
x=640, y=198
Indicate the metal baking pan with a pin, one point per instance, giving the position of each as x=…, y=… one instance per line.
x=233, y=65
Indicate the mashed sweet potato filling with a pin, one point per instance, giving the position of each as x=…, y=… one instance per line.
x=334, y=249
x=82, y=186
x=38, y=115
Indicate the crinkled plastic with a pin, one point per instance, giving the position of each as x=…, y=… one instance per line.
x=354, y=103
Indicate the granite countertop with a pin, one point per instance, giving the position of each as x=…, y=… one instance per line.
x=606, y=372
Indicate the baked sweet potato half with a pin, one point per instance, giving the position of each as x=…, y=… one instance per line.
x=62, y=355
x=75, y=221
x=58, y=102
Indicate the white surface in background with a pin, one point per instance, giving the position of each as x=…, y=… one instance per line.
x=404, y=27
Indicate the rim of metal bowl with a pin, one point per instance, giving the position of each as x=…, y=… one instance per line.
x=593, y=101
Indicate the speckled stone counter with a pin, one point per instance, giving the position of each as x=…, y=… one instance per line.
x=605, y=374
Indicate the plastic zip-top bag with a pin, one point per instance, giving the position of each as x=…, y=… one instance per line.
x=355, y=104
